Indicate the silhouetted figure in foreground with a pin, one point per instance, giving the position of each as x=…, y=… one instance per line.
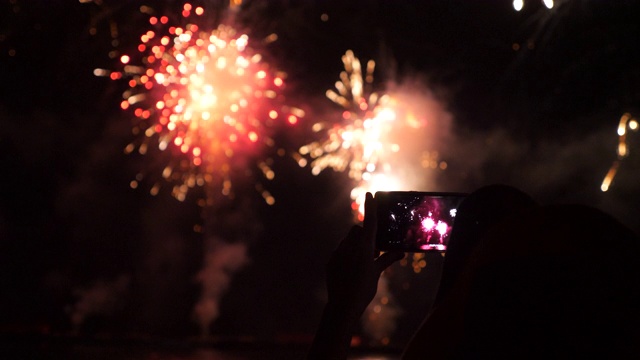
x=519, y=281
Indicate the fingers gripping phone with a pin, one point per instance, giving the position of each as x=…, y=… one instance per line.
x=413, y=221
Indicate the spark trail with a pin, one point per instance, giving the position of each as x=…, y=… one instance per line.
x=626, y=122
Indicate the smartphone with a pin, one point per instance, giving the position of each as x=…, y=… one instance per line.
x=413, y=221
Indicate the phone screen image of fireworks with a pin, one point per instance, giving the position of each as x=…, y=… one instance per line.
x=417, y=223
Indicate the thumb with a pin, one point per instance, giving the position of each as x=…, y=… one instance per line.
x=385, y=260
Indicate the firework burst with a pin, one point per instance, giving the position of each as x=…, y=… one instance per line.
x=204, y=96
x=360, y=144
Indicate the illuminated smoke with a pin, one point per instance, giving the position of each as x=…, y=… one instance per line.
x=567, y=169
x=221, y=261
x=103, y=298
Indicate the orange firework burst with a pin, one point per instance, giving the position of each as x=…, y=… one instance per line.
x=361, y=144
x=205, y=96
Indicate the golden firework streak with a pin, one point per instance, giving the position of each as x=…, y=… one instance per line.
x=626, y=121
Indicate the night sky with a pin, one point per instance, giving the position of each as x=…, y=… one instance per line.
x=533, y=99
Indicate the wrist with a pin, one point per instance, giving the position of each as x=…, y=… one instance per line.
x=343, y=310
x=333, y=337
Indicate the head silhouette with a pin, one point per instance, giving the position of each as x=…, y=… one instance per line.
x=481, y=210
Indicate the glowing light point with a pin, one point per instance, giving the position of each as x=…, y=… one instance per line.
x=428, y=224
x=518, y=4
x=442, y=227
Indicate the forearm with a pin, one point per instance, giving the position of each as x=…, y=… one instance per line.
x=353, y=272
x=333, y=338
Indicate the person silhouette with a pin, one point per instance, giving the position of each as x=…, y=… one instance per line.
x=555, y=281
x=519, y=280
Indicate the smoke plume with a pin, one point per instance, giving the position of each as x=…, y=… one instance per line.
x=221, y=261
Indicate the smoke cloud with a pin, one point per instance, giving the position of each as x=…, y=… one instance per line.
x=425, y=129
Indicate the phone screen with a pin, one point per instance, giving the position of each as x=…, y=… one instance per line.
x=413, y=221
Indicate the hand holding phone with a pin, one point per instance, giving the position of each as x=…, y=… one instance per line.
x=413, y=221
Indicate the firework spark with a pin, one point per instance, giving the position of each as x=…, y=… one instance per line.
x=205, y=96
x=626, y=121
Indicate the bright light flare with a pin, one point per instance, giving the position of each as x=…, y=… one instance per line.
x=428, y=224
x=442, y=228
x=518, y=4
x=374, y=182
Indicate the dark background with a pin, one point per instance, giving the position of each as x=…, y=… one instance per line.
x=535, y=96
